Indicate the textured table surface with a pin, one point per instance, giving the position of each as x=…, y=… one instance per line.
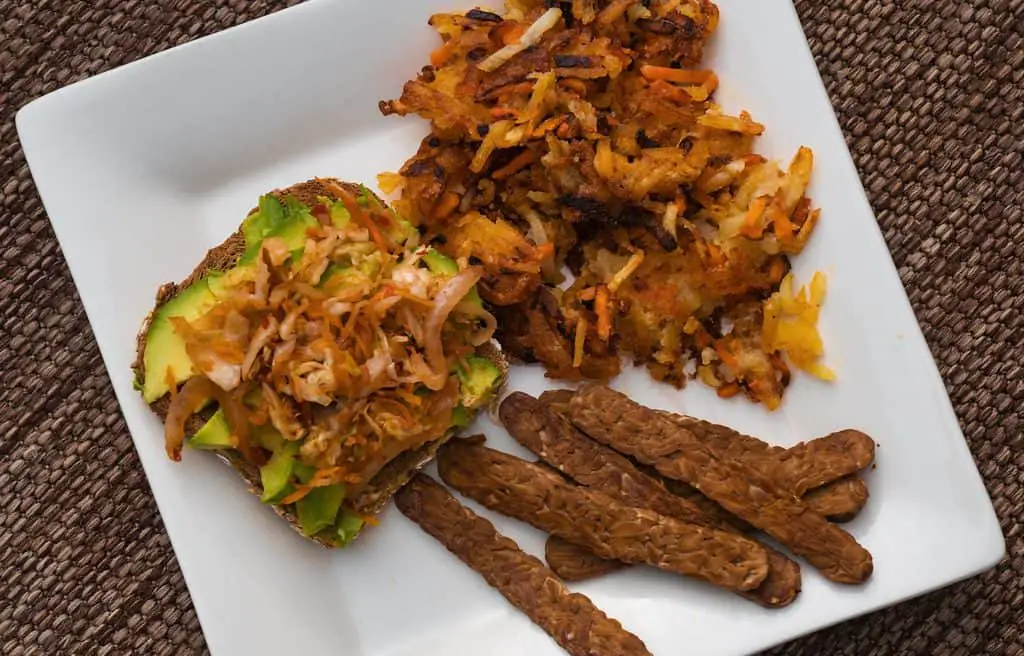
x=930, y=94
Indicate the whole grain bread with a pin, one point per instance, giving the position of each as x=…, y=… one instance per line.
x=375, y=495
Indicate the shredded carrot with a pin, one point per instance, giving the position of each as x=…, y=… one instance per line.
x=504, y=112
x=602, y=307
x=510, y=33
x=547, y=126
x=728, y=390
x=752, y=226
x=587, y=294
x=677, y=75
x=370, y=520
x=545, y=251
x=783, y=226
x=579, y=343
x=440, y=57
x=613, y=11
x=777, y=269
x=299, y=493
x=519, y=162
x=357, y=213
x=724, y=352
x=449, y=201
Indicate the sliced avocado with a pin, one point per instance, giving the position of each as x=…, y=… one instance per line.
x=269, y=438
x=259, y=224
x=276, y=475
x=215, y=434
x=165, y=349
x=349, y=525
x=479, y=379
x=288, y=221
x=461, y=416
x=319, y=509
x=439, y=263
x=339, y=213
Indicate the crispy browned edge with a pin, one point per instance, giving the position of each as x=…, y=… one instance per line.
x=396, y=473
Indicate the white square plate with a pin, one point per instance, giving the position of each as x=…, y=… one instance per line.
x=144, y=168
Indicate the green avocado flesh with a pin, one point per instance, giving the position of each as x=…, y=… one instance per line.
x=318, y=509
x=276, y=476
x=165, y=350
x=320, y=513
x=215, y=434
x=479, y=379
x=440, y=264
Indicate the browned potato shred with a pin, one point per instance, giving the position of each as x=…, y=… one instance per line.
x=585, y=134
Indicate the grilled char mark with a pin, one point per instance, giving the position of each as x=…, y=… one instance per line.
x=596, y=216
x=617, y=421
x=532, y=494
x=570, y=618
x=483, y=16
x=538, y=426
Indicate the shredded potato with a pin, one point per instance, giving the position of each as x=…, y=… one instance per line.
x=586, y=135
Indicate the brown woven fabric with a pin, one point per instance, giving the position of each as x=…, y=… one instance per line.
x=929, y=93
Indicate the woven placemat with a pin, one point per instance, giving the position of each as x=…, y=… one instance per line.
x=929, y=93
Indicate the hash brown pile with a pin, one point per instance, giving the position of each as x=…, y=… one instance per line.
x=584, y=135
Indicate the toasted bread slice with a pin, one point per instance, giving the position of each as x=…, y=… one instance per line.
x=396, y=473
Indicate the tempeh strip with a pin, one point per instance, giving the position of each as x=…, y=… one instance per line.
x=575, y=563
x=547, y=501
x=575, y=623
x=552, y=437
x=840, y=500
x=820, y=467
x=799, y=469
x=630, y=428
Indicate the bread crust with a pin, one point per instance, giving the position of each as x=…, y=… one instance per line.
x=224, y=256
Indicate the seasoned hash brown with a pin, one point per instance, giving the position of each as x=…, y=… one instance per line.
x=586, y=134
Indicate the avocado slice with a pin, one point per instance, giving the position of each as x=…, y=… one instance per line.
x=478, y=381
x=439, y=263
x=288, y=220
x=319, y=509
x=215, y=434
x=348, y=527
x=275, y=476
x=165, y=349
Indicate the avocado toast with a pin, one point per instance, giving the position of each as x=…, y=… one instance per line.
x=322, y=352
